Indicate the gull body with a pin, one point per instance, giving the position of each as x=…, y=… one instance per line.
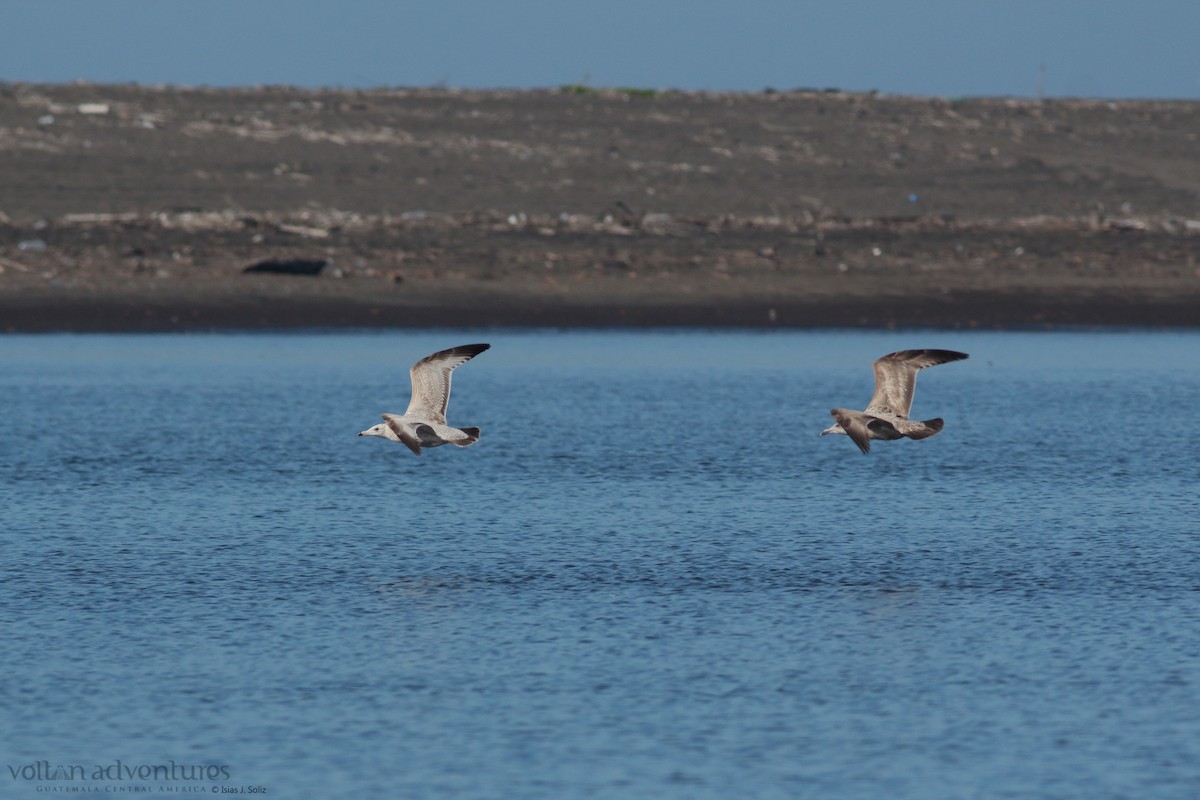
x=886, y=418
x=423, y=424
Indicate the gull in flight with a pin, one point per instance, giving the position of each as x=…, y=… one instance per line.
x=887, y=415
x=424, y=423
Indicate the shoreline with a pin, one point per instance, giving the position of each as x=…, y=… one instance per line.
x=978, y=312
x=138, y=208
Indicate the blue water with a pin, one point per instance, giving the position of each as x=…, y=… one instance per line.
x=651, y=578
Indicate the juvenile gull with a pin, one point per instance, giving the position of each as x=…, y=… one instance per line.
x=887, y=415
x=424, y=423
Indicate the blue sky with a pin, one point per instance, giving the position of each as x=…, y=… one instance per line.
x=936, y=47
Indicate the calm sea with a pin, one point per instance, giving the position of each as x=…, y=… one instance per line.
x=650, y=579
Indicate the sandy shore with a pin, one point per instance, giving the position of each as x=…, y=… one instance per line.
x=132, y=208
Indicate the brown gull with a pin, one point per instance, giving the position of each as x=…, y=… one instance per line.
x=887, y=415
x=424, y=423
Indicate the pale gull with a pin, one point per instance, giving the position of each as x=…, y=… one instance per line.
x=887, y=415
x=424, y=423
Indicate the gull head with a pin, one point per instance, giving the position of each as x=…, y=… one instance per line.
x=375, y=430
x=834, y=428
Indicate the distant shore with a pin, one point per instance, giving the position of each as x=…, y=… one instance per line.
x=979, y=311
x=127, y=208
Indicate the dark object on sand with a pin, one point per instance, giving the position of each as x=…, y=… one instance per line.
x=289, y=266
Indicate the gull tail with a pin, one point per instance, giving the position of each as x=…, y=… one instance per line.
x=923, y=430
x=472, y=437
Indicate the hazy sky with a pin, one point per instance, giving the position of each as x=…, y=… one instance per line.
x=937, y=47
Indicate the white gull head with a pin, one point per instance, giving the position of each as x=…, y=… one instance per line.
x=375, y=430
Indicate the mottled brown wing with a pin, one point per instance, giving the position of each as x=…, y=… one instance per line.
x=410, y=441
x=896, y=378
x=431, y=380
x=855, y=427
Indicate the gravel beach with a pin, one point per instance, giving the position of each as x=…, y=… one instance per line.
x=128, y=208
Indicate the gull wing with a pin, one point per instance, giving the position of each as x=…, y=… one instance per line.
x=854, y=424
x=431, y=380
x=896, y=378
x=410, y=441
